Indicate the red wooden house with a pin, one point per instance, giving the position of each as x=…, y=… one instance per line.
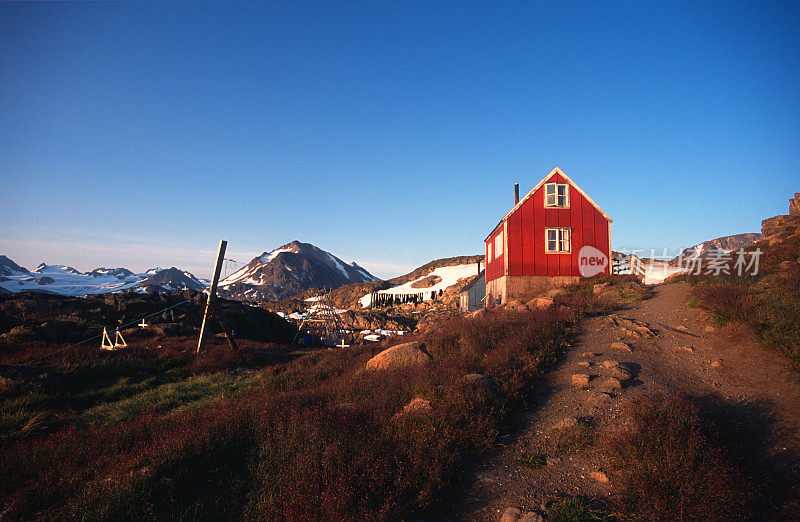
x=544, y=241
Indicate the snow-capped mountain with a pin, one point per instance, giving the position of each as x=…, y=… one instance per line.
x=289, y=270
x=171, y=279
x=8, y=267
x=119, y=273
x=65, y=280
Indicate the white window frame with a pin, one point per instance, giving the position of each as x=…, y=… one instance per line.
x=555, y=193
x=498, y=245
x=562, y=240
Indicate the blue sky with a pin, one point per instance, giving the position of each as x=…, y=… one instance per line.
x=387, y=133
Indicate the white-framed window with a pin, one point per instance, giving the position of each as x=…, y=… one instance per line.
x=556, y=195
x=498, y=245
x=558, y=240
x=489, y=255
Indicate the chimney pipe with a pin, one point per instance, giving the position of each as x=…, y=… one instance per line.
x=516, y=193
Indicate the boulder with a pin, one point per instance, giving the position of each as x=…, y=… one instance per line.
x=418, y=405
x=540, y=302
x=477, y=314
x=23, y=333
x=511, y=514
x=580, y=379
x=619, y=345
x=406, y=355
x=610, y=384
x=599, y=476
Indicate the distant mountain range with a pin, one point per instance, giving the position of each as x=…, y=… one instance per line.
x=66, y=280
x=290, y=270
x=281, y=273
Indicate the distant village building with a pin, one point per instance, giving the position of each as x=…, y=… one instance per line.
x=473, y=295
x=538, y=244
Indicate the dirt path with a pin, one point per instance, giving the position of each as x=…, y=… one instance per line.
x=745, y=386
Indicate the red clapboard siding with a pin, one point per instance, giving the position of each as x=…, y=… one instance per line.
x=514, y=252
x=527, y=238
x=540, y=258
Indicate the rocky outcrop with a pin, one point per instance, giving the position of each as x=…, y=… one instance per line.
x=777, y=229
x=407, y=355
x=33, y=317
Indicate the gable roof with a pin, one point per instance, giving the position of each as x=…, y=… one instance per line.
x=539, y=185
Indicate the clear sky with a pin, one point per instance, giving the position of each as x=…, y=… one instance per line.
x=387, y=133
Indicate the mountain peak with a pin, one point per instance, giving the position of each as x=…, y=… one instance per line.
x=9, y=267
x=289, y=270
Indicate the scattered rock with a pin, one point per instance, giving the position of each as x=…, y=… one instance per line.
x=616, y=370
x=587, y=364
x=630, y=327
x=511, y=514
x=619, y=345
x=599, y=288
x=580, y=379
x=591, y=354
x=610, y=383
x=540, y=302
x=717, y=364
x=599, y=476
x=688, y=349
x=709, y=329
x=404, y=355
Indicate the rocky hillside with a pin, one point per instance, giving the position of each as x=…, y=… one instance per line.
x=290, y=270
x=777, y=229
x=31, y=318
x=720, y=244
x=429, y=267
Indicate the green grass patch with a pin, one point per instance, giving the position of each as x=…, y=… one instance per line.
x=576, y=438
x=576, y=509
x=531, y=460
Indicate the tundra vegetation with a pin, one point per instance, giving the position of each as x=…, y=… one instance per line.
x=768, y=303
x=155, y=432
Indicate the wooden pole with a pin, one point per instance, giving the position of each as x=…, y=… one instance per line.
x=211, y=294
